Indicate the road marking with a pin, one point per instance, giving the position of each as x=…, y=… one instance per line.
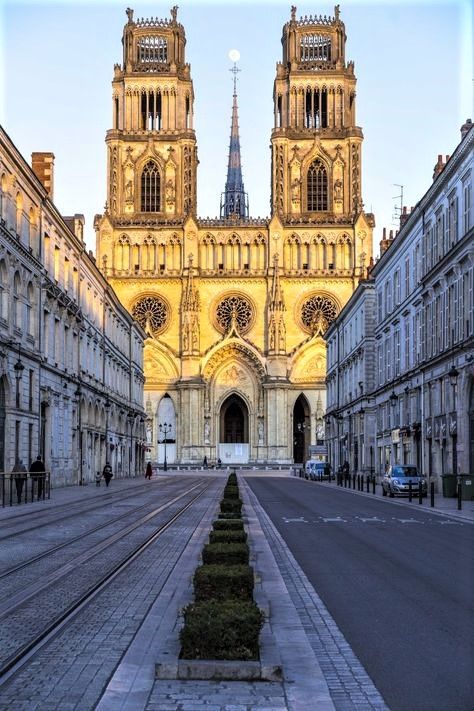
x=301, y=519
x=372, y=519
x=407, y=520
x=338, y=519
x=455, y=523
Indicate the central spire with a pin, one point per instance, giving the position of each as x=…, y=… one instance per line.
x=234, y=201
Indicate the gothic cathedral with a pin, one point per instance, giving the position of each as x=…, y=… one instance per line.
x=234, y=307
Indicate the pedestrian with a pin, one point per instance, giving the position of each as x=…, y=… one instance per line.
x=98, y=477
x=149, y=471
x=38, y=474
x=219, y=462
x=204, y=462
x=107, y=473
x=19, y=474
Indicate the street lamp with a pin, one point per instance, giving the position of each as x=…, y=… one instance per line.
x=107, y=404
x=164, y=429
x=131, y=420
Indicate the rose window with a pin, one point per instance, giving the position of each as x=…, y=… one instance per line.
x=151, y=312
x=317, y=313
x=234, y=309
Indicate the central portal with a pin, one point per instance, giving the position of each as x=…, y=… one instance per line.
x=234, y=431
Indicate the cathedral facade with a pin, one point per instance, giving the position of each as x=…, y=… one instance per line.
x=234, y=308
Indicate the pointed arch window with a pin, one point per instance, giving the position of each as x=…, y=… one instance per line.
x=150, y=188
x=317, y=187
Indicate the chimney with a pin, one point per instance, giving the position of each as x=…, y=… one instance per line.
x=405, y=215
x=43, y=168
x=385, y=242
x=438, y=167
x=76, y=225
x=465, y=128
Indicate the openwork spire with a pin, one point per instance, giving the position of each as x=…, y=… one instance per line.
x=234, y=201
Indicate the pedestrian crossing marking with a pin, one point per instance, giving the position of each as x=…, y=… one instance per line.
x=408, y=520
x=372, y=519
x=338, y=519
x=301, y=519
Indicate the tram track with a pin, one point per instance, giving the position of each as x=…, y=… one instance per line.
x=15, y=661
x=76, y=508
x=40, y=556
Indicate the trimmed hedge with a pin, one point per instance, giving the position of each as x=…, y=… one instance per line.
x=225, y=554
x=223, y=582
x=229, y=515
x=228, y=524
x=232, y=480
x=221, y=630
x=231, y=506
x=231, y=492
x=227, y=537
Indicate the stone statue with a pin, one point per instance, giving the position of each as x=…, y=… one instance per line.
x=260, y=432
x=293, y=13
x=174, y=12
x=207, y=432
x=295, y=190
x=169, y=192
x=129, y=12
x=129, y=191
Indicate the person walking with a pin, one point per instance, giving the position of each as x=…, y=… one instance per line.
x=107, y=473
x=38, y=474
x=98, y=477
x=19, y=474
x=149, y=471
x=204, y=462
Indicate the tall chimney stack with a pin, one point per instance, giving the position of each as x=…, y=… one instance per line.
x=43, y=168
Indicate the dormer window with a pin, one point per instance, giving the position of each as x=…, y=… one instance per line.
x=315, y=48
x=152, y=49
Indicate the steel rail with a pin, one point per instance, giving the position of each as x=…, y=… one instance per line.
x=21, y=656
x=80, y=505
x=81, y=536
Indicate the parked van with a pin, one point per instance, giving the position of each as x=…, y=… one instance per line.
x=315, y=470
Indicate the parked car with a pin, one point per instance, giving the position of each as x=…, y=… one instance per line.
x=315, y=470
x=396, y=481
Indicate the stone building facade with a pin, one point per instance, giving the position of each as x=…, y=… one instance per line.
x=71, y=356
x=234, y=308
x=418, y=350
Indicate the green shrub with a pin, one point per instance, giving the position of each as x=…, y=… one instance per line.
x=231, y=492
x=223, y=582
x=227, y=537
x=231, y=506
x=221, y=630
x=229, y=515
x=225, y=554
x=228, y=524
x=232, y=479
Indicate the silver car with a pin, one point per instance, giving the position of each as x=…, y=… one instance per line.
x=397, y=479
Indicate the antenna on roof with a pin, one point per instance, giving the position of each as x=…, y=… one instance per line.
x=397, y=209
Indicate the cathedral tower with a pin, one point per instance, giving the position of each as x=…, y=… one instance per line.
x=152, y=145
x=316, y=144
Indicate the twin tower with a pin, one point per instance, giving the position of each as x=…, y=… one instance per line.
x=234, y=308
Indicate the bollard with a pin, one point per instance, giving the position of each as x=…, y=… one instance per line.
x=373, y=484
x=410, y=492
x=354, y=481
x=420, y=493
x=358, y=482
x=368, y=484
x=432, y=494
x=459, y=496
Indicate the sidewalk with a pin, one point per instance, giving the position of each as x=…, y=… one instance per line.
x=442, y=505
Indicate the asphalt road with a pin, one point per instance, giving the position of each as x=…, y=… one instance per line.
x=398, y=581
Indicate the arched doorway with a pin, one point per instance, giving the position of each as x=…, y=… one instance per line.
x=166, y=430
x=234, y=430
x=301, y=430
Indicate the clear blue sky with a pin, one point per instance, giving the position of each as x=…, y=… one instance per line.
x=413, y=62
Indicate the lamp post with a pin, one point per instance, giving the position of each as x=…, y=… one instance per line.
x=453, y=379
x=164, y=428
x=107, y=408
x=300, y=428
x=393, y=403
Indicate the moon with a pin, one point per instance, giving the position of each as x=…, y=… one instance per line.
x=234, y=55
